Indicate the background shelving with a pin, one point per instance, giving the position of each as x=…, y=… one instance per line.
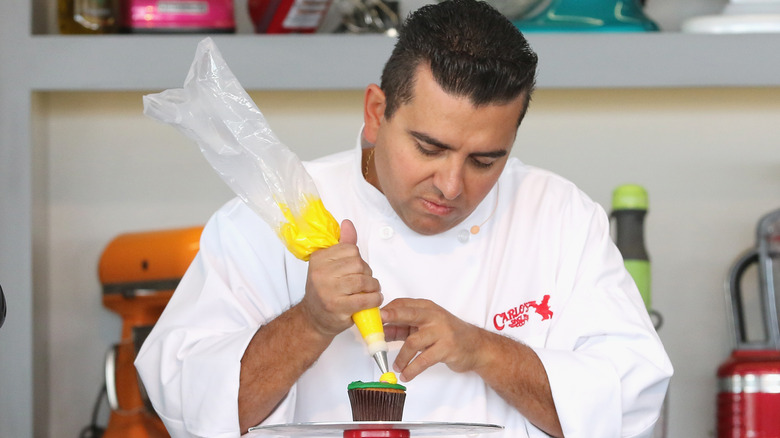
x=125, y=62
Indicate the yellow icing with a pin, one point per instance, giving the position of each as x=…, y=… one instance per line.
x=389, y=377
x=313, y=229
x=369, y=322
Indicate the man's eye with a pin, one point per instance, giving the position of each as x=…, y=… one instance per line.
x=482, y=164
x=425, y=151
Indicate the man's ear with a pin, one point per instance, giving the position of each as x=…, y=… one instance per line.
x=373, y=112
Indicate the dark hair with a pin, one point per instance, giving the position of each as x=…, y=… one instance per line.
x=472, y=51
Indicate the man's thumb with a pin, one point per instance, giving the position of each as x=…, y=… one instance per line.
x=348, y=232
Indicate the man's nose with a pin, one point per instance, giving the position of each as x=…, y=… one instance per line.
x=449, y=179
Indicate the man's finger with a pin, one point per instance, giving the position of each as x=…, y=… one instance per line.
x=348, y=232
x=406, y=311
x=397, y=332
x=416, y=364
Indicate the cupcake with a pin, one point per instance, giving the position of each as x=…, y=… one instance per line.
x=376, y=401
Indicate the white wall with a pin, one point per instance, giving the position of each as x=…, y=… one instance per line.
x=710, y=160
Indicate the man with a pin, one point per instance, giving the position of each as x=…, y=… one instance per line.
x=507, y=300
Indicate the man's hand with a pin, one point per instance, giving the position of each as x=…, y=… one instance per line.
x=339, y=283
x=510, y=367
x=434, y=333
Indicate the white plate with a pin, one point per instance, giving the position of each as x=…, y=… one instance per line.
x=416, y=428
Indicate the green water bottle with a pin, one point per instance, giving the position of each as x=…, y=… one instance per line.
x=629, y=208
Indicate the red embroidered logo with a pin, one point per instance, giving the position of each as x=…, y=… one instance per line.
x=518, y=316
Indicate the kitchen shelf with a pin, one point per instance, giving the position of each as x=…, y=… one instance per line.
x=309, y=62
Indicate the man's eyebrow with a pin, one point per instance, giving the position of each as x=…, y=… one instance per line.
x=430, y=140
x=439, y=144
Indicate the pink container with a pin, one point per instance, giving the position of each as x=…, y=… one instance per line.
x=178, y=16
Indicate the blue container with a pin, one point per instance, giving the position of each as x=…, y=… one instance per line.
x=588, y=16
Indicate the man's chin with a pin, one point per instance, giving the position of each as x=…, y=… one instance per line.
x=429, y=228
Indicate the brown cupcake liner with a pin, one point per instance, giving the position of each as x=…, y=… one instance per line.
x=373, y=405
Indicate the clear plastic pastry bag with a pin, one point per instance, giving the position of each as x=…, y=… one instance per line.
x=214, y=110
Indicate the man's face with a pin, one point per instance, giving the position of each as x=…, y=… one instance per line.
x=438, y=156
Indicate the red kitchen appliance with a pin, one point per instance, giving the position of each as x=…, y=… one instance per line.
x=139, y=272
x=748, y=400
x=287, y=16
x=177, y=16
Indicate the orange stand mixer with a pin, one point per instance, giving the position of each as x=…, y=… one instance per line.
x=138, y=272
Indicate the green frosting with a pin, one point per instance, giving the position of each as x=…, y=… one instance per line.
x=363, y=385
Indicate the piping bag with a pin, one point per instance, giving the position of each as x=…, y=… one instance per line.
x=214, y=110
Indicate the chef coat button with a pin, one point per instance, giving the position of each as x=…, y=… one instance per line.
x=463, y=236
x=386, y=232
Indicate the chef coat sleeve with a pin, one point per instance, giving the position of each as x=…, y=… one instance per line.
x=191, y=361
x=607, y=368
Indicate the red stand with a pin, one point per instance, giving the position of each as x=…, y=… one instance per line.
x=376, y=433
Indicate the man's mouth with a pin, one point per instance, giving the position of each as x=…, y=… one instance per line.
x=437, y=208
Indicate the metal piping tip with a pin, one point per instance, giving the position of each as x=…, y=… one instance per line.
x=381, y=359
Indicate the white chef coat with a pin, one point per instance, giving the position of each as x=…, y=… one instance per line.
x=542, y=270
